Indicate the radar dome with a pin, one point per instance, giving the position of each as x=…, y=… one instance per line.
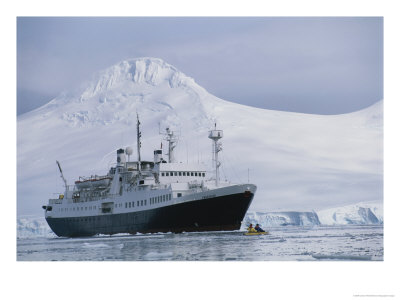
x=129, y=150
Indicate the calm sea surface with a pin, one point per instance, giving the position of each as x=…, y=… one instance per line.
x=283, y=243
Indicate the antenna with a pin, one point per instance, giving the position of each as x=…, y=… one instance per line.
x=187, y=152
x=62, y=175
x=139, y=143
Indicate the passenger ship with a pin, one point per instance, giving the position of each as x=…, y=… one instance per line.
x=150, y=196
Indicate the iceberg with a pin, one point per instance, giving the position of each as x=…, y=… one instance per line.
x=33, y=227
x=273, y=219
x=358, y=214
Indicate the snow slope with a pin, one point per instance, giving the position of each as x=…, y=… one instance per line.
x=298, y=161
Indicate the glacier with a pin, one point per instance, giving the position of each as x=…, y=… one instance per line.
x=300, y=162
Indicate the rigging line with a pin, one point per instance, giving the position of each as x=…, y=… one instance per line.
x=241, y=176
x=231, y=166
x=223, y=164
x=107, y=154
x=223, y=169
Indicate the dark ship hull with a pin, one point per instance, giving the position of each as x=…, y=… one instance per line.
x=213, y=214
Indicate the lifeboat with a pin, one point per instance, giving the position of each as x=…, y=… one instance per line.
x=96, y=181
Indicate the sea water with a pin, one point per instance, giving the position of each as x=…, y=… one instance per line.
x=290, y=243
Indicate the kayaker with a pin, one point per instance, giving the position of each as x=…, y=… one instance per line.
x=251, y=229
x=258, y=228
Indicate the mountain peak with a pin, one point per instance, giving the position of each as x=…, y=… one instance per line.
x=138, y=71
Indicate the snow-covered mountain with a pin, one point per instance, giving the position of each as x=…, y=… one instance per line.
x=298, y=161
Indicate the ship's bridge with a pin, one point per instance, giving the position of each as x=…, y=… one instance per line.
x=180, y=172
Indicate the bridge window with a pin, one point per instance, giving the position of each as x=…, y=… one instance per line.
x=162, y=174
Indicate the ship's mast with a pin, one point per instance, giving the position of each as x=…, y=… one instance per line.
x=172, y=142
x=216, y=135
x=139, y=143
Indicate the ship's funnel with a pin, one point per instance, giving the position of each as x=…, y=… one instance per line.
x=157, y=156
x=121, y=158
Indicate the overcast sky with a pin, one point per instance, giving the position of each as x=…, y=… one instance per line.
x=312, y=65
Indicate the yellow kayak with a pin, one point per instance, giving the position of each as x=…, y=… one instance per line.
x=256, y=233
